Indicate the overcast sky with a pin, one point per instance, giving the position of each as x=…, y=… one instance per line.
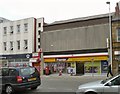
x=53, y=10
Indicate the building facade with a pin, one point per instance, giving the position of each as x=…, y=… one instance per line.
x=78, y=45
x=116, y=40
x=18, y=41
x=3, y=20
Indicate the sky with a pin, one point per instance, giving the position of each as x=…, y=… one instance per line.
x=54, y=10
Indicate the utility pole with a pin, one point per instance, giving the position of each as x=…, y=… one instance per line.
x=110, y=56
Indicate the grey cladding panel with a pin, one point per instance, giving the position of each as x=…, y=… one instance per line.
x=89, y=37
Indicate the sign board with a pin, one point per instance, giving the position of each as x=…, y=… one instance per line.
x=61, y=59
x=35, y=54
x=33, y=60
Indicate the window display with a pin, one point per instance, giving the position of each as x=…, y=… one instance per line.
x=92, y=67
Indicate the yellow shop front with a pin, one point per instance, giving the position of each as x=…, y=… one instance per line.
x=79, y=64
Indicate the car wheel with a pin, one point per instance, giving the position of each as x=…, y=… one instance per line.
x=9, y=89
x=90, y=93
x=33, y=88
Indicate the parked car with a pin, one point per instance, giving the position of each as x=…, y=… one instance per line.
x=107, y=86
x=19, y=78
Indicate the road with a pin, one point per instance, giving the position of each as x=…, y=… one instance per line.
x=61, y=84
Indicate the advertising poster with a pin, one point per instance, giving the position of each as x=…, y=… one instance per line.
x=92, y=67
x=104, y=65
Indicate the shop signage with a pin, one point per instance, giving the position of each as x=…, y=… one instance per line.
x=98, y=58
x=104, y=65
x=28, y=56
x=2, y=57
x=33, y=60
x=35, y=54
x=61, y=59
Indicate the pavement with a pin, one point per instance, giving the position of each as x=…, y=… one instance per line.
x=75, y=76
x=66, y=82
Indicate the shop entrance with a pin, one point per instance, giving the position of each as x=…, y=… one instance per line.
x=79, y=68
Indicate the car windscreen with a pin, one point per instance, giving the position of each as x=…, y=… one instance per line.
x=27, y=71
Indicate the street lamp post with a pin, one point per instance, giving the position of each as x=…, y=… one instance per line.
x=110, y=57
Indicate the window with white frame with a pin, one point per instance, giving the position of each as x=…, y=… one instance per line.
x=25, y=44
x=5, y=30
x=18, y=44
x=118, y=34
x=11, y=45
x=5, y=46
x=11, y=29
x=26, y=27
x=18, y=28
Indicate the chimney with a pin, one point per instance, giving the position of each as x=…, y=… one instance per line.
x=117, y=10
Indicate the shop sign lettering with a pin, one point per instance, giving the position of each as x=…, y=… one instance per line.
x=61, y=59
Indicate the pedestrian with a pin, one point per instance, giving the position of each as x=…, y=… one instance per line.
x=71, y=71
x=109, y=71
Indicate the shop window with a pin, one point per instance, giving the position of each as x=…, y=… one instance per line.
x=92, y=67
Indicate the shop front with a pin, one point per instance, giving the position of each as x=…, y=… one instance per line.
x=95, y=68
x=16, y=60
x=79, y=65
x=57, y=64
x=36, y=60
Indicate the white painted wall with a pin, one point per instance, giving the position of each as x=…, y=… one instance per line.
x=39, y=20
x=23, y=35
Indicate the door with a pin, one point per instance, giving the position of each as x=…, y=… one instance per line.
x=114, y=87
x=111, y=90
x=79, y=68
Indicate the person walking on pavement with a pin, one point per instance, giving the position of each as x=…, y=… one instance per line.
x=109, y=71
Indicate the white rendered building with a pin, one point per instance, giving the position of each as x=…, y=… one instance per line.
x=18, y=40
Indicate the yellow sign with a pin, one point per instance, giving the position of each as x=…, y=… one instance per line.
x=95, y=58
x=73, y=59
x=49, y=60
